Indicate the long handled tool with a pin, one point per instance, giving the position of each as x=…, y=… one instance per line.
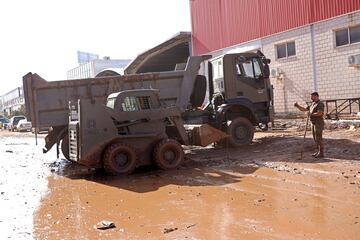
x=303, y=142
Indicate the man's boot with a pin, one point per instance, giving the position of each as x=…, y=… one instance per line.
x=317, y=152
x=321, y=152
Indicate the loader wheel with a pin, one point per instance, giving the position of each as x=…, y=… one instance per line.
x=168, y=154
x=119, y=159
x=65, y=147
x=241, y=132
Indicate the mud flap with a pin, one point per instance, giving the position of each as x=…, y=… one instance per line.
x=206, y=134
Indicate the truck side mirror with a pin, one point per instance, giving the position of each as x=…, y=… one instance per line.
x=266, y=71
x=266, y=60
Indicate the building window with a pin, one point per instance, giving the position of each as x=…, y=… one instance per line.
x=347, y=36
x=285, y=50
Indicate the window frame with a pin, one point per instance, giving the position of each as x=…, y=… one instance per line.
x=286, y=49
x=348, y=36
x=130, y=105
x=136, y=103
x=240, y=69
x=144, y=102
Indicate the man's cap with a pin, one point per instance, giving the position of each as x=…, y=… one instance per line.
x=315, y=94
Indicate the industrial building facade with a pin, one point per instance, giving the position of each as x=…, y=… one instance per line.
x=93, y=67
x=313, y=45
x=90, y=65
x=12, y=101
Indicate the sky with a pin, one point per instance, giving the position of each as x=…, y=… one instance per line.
x=43, y=37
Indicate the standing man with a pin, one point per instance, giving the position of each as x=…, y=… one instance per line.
x=316, y=112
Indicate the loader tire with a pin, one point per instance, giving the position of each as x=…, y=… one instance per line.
x=168, y=154
x=241, y=132
x=120, y=159
x=65, y=147
x=199, y=91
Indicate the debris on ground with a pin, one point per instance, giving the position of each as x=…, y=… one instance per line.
x=299, y=124
x=9, y=151
x=352, y=128
x=103, y=225
x=169, y=230
x=190, y=226
x=349, y=124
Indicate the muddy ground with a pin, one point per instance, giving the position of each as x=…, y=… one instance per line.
x=259, y=192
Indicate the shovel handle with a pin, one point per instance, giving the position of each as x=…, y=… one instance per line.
x=303, y=142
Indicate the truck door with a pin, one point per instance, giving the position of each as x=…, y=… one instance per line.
x=250, y=79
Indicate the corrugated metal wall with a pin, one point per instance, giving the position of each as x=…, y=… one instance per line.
x=218, y=24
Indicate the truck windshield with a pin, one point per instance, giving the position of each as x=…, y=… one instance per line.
x=250, y=68
x=17, y=119
x=110, y=103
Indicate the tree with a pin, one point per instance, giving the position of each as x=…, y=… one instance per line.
x=20, y=111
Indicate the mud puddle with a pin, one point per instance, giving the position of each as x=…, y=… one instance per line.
x=259, y=192
x=220, y=202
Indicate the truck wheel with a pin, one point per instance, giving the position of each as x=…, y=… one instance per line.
x=168, y=154
x=241, y=132
x=119, y=159
x=65, y=147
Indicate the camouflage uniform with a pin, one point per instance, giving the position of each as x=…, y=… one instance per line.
x=317, y=125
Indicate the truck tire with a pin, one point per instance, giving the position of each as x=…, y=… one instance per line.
x=65, y=147
x=199, y=91
x=120, y=159
x=241, y=132
x=168, y=154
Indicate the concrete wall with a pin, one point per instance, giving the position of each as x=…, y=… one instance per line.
x=295, y=80
x=335, y=78
x=320, y=66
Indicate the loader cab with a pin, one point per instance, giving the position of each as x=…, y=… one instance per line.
x=134, y=100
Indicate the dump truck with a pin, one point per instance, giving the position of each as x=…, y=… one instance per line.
x=237, y=86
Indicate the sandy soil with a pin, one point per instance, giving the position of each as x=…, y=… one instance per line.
x=263, y=191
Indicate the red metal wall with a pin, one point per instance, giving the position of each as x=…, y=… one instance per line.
x=218, y=24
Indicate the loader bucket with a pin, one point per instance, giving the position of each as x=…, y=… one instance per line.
x=206, y=134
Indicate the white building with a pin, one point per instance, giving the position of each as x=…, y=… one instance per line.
x=12, y=101
x=93, y=67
